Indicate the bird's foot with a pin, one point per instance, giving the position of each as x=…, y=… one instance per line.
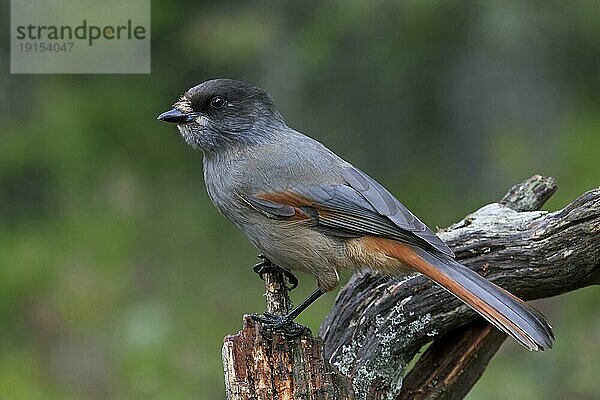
x=267, y=266
x=281, y=324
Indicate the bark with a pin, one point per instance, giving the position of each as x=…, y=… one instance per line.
x=379, y=324
x=260, y=368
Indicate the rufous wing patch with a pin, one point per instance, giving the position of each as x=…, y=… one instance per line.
x=285, y=204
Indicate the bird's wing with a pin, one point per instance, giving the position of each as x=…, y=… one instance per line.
x=360, y=207
x=386, y=204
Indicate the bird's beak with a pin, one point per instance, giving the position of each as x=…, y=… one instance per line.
x=176, y=116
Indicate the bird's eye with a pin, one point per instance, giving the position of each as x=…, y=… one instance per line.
x=217, y=102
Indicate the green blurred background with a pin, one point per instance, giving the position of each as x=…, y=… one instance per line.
x=118, y=279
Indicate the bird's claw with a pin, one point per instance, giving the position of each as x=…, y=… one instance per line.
x=280, y=324
x=267, y=266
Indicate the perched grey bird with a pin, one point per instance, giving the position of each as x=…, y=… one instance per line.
x=307, y=209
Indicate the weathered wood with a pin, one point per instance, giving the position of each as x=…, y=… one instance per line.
x=261, y=369
x=531, y=194
x=453, y=363
x=379, y=324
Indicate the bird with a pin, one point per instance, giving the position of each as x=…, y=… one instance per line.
x=307, y=209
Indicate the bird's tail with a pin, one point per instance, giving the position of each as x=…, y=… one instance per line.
x=502, y=309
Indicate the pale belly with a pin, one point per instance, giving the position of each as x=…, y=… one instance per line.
x=295, y=246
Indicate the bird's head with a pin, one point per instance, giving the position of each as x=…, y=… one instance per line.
x=223, y=113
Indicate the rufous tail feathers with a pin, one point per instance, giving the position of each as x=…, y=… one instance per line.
x=502, y=309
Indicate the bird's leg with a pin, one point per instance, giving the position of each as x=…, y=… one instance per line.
x=285, y=323
x=267, y=266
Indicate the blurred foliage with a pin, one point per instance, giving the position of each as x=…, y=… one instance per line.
x=118, y=279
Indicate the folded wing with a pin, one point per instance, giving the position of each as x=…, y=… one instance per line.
x=360, y=207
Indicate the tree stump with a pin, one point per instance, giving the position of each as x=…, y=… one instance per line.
x=278, y=368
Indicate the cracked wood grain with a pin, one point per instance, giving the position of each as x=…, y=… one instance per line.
x=278, y=368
